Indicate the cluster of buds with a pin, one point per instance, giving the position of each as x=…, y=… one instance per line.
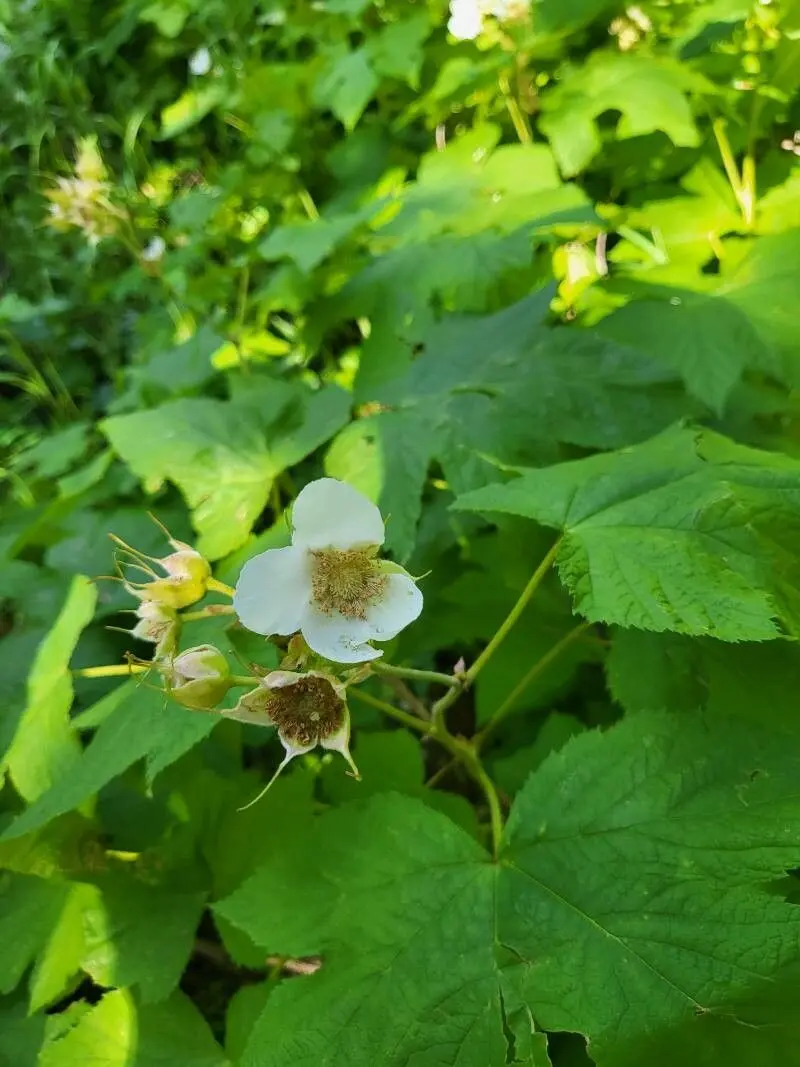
x=162, y=587
x=305, y=704
x=83, y=201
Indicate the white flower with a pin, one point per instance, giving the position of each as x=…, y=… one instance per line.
x=329, y=584
x=466, y=19
x=200, y=62
x=154, y=250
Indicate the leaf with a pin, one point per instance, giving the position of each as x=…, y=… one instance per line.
x=755, y=682
x=119, y=1033
x=139, y=934
x=141, y=722
x=763, y=287
x=44, y=747
x=20, y=1035
x=186, y=366
x=504, y=389
x=563, y=16
x=706, y=339
x=347, y=85
x=650, y=92
x=191, y=107
x=397, y=49
x=222, y=456
x=308, y=243
x=29, y=913
x=631, y=893
x=676, y=534
x=60, y=960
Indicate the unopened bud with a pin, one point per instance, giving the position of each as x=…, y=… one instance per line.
x=187, y=574
x=198, y=678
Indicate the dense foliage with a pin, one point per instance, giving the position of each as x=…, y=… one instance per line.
x=531, y=286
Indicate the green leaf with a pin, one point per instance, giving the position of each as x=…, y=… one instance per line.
x=562, y=16
x=186, y=366
x=397, y=49
x=504, y=389
x=29, y=913
x=708, y=341
x=140, y=722
x=20, y=1035
x=631, y=895
x=139, y=934
x=119, y=1033
x=222, y=456
x=347, y=85
x=763, y=286
x=44, y=747
x=650, y=92
x=676, y=534
x=308, y=243
x=60, y=959
x=191, y=107
x=755, y=682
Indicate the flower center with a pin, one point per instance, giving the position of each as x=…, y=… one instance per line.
x=346, y=581
x=308, y=711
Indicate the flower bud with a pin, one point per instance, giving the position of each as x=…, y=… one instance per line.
x=198, y=678
x=187, y=574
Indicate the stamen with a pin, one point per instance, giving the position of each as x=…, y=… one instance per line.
x=346, y=581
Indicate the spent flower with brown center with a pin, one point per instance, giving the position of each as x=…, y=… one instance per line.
x=307, y=709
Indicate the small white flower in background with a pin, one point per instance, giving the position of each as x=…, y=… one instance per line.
x=307, y=709
x=154, y=250
x=329, y=585
x=200, y=62
x=466, y=19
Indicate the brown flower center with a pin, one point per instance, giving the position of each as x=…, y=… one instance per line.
x=308, y=711
x=346, y=581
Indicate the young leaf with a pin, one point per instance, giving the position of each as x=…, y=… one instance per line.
x=680, y=533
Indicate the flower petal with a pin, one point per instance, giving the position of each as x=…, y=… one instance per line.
x=338, y=638
x=273, y=591
x=340, y=742
x=332, y=514
x=397, y=608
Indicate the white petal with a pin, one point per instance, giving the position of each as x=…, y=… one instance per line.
x=338, y=638
x=273, y=591
x=332, y=514
x=340, y=742
x=397, y=608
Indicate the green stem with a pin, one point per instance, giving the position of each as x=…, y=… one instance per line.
x=114, y=670
x=538, y=668
x=394, y=713
x=215, y=586
x=518, y=118
x=207, y=612
x=465, y=753
x=414, y=675
x=244, y=679
x=743, y=185
x=505, y=627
